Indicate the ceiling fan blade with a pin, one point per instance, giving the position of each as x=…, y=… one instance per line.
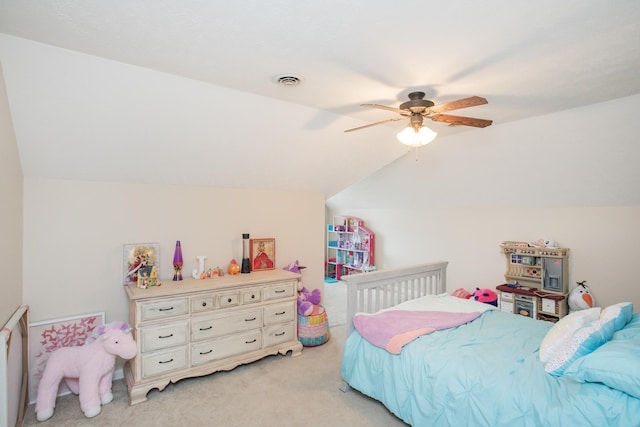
x=460, y=103
x=384, y=107
x=457, y=120
x=394, y=119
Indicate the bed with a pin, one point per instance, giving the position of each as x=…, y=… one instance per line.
x=486, y=370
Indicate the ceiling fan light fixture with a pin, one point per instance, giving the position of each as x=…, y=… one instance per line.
x=409, y=136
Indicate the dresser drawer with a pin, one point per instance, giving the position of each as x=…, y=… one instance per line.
x=279, y=313
x=221, y=348
x=281, y=290
x=277, y=334
x=163, y=309
x=251, y=296
x=155, y=337
x=203, y=303
x=164, y=361
x=225, y=323
x=228, y=300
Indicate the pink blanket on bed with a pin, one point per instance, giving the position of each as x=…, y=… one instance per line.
x=393, y=329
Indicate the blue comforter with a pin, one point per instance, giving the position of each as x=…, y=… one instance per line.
x=484, y=373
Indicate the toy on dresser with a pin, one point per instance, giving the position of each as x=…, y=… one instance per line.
x=86, y=369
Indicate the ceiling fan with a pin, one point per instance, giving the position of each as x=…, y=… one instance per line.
x=417, y=108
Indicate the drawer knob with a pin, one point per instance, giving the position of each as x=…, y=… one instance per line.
x=280, y=313
x=204, y=304
x=165, y=336
x=250, y=320
x=280, y=334
x=165, y=309
x=250, y=342
x=166, y=361
x=228, y=299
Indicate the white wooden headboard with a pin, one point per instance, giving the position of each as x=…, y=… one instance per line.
x=14, y=360
x=373, y=291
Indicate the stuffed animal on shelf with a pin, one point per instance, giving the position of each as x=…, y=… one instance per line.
x=309, y=302
x=486, y=296
x=580, y=297
x=86, y=369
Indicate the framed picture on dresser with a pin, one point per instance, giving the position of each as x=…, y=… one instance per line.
x=263, y=254
x=141, y=264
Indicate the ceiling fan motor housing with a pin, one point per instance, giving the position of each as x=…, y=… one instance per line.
x=416, y=103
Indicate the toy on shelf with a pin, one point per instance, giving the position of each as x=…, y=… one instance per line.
x=86, y=369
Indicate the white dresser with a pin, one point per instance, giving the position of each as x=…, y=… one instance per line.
x=195, y=327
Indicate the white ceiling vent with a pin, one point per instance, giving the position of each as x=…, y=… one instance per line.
x=289, y=79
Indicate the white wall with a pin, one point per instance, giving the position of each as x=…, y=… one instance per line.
x=74, y=232
x=10, y=213
x=570, y=176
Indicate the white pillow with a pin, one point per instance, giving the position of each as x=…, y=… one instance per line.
x=620, y=314
x=588, y=338
x=564, y=329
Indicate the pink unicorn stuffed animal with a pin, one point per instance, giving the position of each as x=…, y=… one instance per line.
x=87, y=370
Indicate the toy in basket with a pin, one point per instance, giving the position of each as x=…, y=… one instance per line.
x=313, y=326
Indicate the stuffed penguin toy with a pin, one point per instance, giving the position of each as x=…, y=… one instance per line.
x=580, y=298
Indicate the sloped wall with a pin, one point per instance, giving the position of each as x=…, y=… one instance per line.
x=10, y=213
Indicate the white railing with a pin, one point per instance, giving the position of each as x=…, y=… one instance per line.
x=14, y=368
x=376, y=290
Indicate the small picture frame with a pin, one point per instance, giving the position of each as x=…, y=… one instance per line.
x=263, y=254
x=49, y=335
x=141, y=264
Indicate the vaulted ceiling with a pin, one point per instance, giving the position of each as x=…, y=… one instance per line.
x=184, y=92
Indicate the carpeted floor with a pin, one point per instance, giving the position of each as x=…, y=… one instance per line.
x=335, y=302
x=280, y=391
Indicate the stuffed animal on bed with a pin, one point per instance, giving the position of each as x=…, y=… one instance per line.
x=486, y=296
x=461, y=293
x=86, y=369
x=580, y=297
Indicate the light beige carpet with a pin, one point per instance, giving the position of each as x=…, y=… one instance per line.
x=279, y=391
x=335, y=302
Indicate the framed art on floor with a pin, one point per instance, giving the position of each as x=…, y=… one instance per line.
x=49, y=335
